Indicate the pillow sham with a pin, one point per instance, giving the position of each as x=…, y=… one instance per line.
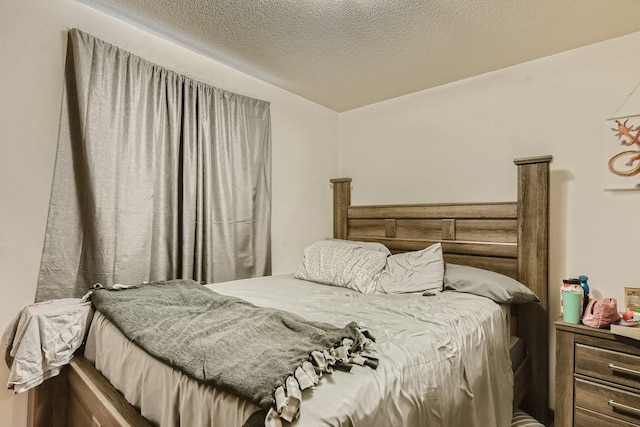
x=416, y=271
x=336, y=263
x=495, y=286
x=370, y=246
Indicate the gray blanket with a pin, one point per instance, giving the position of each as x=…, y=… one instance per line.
x=220, y=340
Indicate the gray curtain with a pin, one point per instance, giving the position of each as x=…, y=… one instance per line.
x=157, y=177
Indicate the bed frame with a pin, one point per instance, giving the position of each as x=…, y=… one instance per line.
x=510, y=238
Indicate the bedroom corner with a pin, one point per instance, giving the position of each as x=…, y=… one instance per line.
x=34, y=37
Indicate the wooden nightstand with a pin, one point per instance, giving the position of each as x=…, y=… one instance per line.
x=597, y=378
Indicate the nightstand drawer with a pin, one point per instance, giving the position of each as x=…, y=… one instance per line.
x=586, y=418
x=614, y=403
x=608, y=365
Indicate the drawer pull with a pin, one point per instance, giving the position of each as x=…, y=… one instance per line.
x=625, y=370
x=624, y=408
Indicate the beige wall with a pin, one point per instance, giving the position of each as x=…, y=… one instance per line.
x=456, y=143
x=32, y=41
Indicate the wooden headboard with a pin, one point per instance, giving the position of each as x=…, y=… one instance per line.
x=511, y=238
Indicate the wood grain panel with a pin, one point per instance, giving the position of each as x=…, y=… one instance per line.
x=485, y=249
x=435, y=211
x=47, y=405
x=79, y=412
x=371, y=228
x=521, y=377
x=587, y=418
x=101, y=400
x=448, y=229
x=582, y=329
x=533, y=271
x=390, y=228
x=429, y=229
x=596, y=362
x=341, y=201
x=596, y=397
x=496, y=230
x=506, y=266
x=564, y=378
x=615, y=342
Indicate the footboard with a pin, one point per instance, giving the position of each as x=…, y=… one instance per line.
x=79, y=397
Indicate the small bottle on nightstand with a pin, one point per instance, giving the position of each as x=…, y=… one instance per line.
x=585, y=288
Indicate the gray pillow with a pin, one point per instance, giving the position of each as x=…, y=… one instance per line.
x=495, y=286
x=337, y=263
x=416, y=271
x=370, y=246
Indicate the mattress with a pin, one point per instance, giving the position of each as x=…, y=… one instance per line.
x=444, y=360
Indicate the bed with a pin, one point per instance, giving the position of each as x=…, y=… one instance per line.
x=510, y=238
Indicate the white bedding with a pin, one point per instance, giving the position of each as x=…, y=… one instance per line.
x=444, y=361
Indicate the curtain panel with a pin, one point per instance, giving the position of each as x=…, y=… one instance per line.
x=157, y=177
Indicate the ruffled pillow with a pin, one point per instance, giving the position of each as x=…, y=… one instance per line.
x=336, y=263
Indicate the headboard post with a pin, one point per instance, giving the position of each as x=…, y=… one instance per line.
x=341, y=201
x=533, y=260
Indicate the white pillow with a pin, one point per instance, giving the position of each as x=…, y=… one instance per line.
x=416, y=271
x=336, y=263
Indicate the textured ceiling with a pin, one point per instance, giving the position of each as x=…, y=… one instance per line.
x=345, y=54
